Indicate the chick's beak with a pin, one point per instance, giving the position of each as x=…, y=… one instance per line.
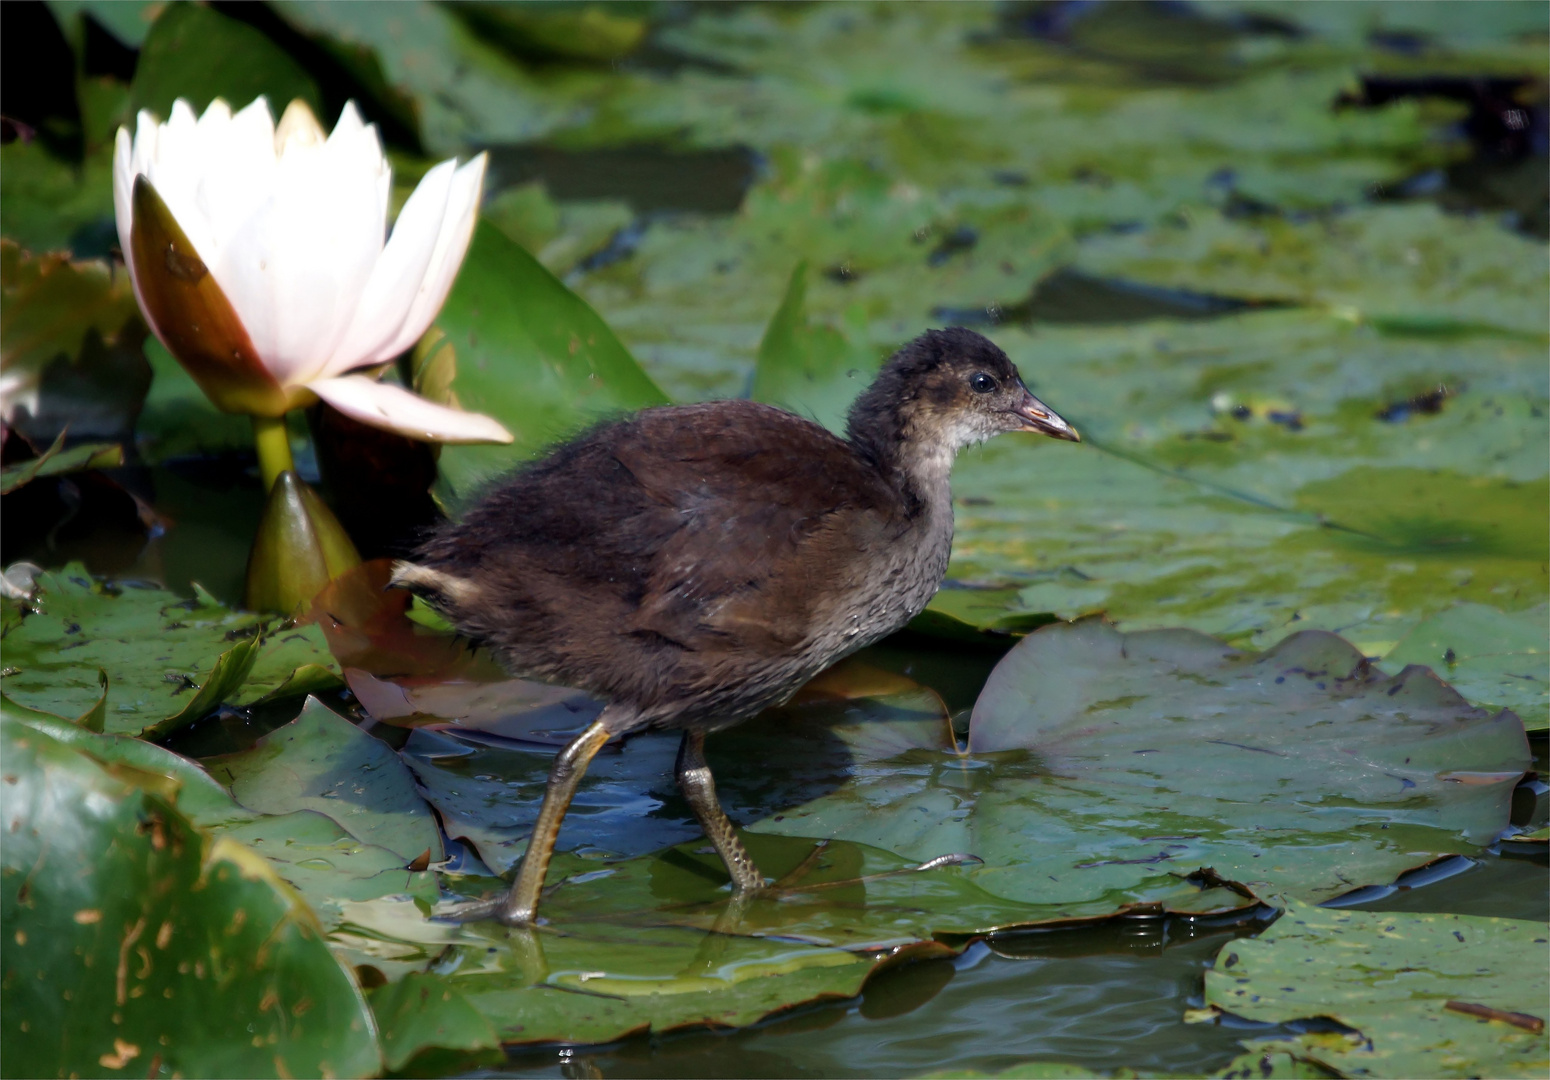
x=1037, y=416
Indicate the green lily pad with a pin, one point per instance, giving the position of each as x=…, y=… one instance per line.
x=53, y=205
x=464, y=90
x=1494, y=659
x=425, y=1011
x=72, y=354
x=1099, y=761
x=530, y=353
x=1426, y=995
x=310, y=851
x=1264, y=1065
x=1403, y=266
x=322, y=762
x=695, y=298
x=589, y=982
x=198, y=54
x=169, y=660
x=1198, y=502
x=810, y=370
x=143, y=942
x=56, y=461
x=841, y=82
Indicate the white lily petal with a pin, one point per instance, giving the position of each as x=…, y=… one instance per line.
x=400, y=269
x=457, y=229
x=296, y=270
x=393, y=408
x=123, y=189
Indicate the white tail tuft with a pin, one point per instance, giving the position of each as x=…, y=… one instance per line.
x=440, y=585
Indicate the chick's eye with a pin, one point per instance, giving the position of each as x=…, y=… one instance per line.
x=982, y=383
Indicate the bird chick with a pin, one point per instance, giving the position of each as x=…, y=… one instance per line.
x=693, y=565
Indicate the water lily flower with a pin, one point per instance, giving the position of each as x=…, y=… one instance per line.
x=260, y=257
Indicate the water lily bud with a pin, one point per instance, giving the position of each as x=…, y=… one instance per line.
x=300, y=547
x=261, y=257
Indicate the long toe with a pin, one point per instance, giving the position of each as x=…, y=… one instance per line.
x=491, y=908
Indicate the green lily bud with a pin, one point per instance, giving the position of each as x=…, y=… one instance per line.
x=300, y=547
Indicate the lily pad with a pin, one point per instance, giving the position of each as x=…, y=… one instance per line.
x=1424, y=995
x=220, y=968
x=1240, y=478
x=810, y=370
x=424, y=1011
x=1407, y=266
x=1494, y=659
x=322, y=762
x=1264, y=1065
x=72, y=353
x=56, y=461
x=168, y=660
x=1098, y=761
x=311, y=852
x=196, y=53
x=530, y=353
x=590, y=982
x=695, y=298
x=53, y=205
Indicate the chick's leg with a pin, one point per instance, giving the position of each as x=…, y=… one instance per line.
x=700, y=789
x=520, y=905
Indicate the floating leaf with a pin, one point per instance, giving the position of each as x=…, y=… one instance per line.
x=810, y=370
x=1184, y=510
x=56, y=461
x=169, y=660
x=1264, y=1065
x=1494, y=659
x=1100, y=762
x=313, y=853
x=54, y=205
x=145, y=943
x=530, y=353
x=697, y=295
x=322, y=762
x=196, y=53
x=424, y=1011
x=1425, y=995
x=594, y=982
x=1408, y=267
x=72, y=347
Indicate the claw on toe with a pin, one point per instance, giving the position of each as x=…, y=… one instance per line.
x=489, y=909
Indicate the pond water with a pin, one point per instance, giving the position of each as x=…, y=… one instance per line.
x=1276, y=442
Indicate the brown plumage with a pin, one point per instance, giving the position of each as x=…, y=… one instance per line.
x=695, y=564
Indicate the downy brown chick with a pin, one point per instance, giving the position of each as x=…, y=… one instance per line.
x=693, y=565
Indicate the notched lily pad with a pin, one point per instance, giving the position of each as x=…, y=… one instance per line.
x=1100, y=762
x=322, y=762
x=168, y=660
x=1424, y=995
x=1495, y=659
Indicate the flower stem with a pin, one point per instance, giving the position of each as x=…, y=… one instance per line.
x=274, y=448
